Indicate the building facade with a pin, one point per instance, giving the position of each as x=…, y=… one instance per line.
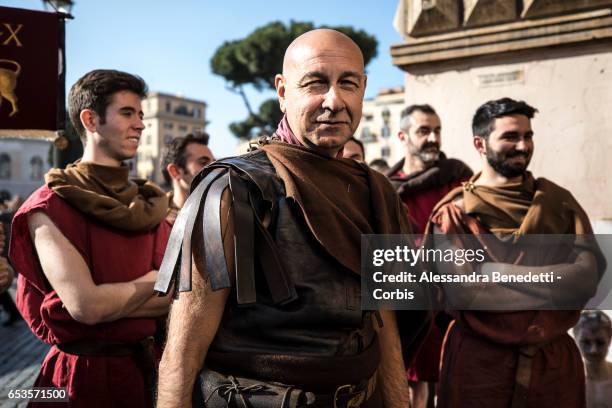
x=379, y=125
x=23, y=164
x=165, y=118
x=554, y=54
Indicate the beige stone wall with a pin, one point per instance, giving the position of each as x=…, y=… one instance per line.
x=573, y=130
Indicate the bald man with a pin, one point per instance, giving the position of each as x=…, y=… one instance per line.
x=268, y=313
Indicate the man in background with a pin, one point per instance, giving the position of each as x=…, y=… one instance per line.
x=518, y=357
x=353, y=149
x=593, y=333
x=422, y=178
x=184, y=158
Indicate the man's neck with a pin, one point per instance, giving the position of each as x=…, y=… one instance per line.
x=491, y=178
x=412, y=164
x=600, y=370
x=179, y=195
x=91, y=155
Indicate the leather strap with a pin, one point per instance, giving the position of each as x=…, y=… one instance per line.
x=250, y=237
x=523, y=376
x=170, y=265
x=216, y=265
x=279, y=283
x=244, y=237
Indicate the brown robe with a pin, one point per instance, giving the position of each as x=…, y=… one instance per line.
x=480, y=353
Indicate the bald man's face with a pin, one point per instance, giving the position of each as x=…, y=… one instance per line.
x=321, y=92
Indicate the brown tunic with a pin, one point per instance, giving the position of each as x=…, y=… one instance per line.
x=480, y=353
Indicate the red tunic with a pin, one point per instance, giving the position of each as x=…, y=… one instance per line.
x=112, y=256
x=420, y=205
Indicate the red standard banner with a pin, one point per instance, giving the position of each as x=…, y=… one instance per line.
x=29, y=85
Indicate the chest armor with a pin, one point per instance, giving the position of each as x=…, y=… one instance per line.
x=324, y=316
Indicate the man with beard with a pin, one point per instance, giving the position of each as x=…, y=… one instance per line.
x=523, y=358
x=288, y=311
x=424, y=175
x=87, y=246
x=422, y=178
x=593, y=333
x=184, y=159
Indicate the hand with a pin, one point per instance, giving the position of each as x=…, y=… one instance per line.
x=6, y=275
x=149, y=277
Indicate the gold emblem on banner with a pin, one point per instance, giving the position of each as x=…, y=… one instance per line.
x=8, y=83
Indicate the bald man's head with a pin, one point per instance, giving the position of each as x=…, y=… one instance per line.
x=321, y=38
x=321, y=89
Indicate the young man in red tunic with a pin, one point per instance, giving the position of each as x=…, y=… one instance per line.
x=87, y=246
x=422, y=178
x=515, y=357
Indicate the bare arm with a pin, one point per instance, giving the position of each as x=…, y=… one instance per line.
x=155, y=306
x=391, y=372
x=69, y=275
x=194, y=319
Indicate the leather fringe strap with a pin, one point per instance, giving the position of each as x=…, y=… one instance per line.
x=172, y=264
x=252, y=242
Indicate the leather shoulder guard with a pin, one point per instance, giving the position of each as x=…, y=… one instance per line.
x=253, y=185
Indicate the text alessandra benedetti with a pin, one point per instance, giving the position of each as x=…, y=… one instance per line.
x=493, y=277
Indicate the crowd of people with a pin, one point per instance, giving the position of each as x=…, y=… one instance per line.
x=241, y=286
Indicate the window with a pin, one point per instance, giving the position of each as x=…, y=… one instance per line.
x=168, y=125
x=196, y=129
x=366, y=135
x=167, y=139
x=5, y=166
x=168, y=107
x=182, y=128
x=36, y=168
x=182, y=110
x=385, y=152
x=196, y=112
x=385, y=132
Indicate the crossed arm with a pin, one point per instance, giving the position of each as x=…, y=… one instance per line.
x=578, y=282
x=70, y=276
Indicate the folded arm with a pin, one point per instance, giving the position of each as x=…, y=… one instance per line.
x=71, y=278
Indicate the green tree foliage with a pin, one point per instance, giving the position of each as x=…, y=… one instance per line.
x=257, y=58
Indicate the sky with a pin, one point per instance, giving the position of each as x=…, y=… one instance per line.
x=170, y=44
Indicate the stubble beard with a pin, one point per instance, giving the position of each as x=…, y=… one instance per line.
x=501, y=164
